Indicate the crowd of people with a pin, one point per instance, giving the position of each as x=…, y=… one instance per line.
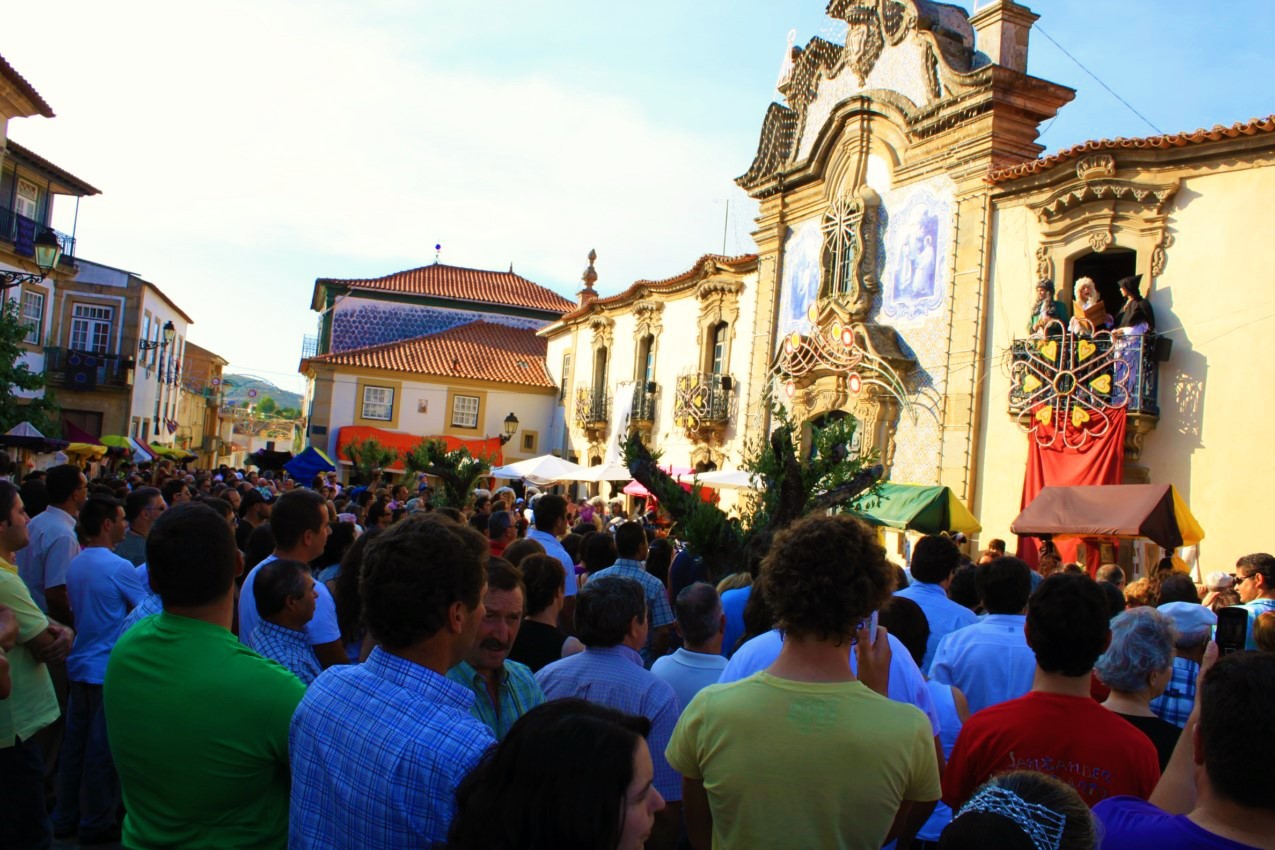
x=233, y=659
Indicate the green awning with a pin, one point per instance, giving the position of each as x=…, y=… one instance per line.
x=928, y=510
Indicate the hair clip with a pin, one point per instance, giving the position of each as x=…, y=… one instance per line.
x=1043, y=825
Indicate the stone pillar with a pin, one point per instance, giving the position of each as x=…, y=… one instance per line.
x=1003, y=28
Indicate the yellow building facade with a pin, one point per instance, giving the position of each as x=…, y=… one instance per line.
x=906, y=215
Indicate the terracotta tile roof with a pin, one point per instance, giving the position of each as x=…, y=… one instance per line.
x=452, y=282
x=30, y=158
x=7, y=72
x=740, y=263
x=1169, y=140
x=479, y=350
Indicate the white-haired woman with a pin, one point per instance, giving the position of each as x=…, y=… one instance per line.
x=1138, y=666
x=1089, y=313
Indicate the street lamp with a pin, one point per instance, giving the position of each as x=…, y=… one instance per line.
x=48, y=250
x=169, y=333
x=511, y=428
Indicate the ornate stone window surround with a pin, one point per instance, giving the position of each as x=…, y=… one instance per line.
x=1097, y=211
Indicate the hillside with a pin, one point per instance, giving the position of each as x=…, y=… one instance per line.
x=238, y=387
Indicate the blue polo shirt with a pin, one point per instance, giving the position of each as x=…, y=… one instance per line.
x=102, y=588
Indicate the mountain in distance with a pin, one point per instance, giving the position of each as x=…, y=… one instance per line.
x=236, y=389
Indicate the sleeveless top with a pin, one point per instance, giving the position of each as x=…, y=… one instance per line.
x=537, y=644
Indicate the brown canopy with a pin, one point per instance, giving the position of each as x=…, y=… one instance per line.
x=1153, y=511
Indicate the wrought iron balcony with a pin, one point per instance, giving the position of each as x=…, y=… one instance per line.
x=21, y=231
x=645, y=403
x=1064, y=385
x=1113, y=371
x=309, y=346
x=703, y=403
x=85, y=370
x=592, y=408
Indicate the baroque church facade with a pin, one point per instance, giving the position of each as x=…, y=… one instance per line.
x=906, y=215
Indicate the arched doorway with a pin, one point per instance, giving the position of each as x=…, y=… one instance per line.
x=1105, y=268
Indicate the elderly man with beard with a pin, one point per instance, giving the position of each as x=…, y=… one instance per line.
x=504, y=690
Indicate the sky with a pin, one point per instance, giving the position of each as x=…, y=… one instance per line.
x=244, y=149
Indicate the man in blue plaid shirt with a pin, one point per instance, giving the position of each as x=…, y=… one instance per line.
x=504, y=690
x=1193, y=624
x=285, y=601
x=631, y=547
x=379, y=748
x=612, y=622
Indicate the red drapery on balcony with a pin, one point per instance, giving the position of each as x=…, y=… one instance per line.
x=1100, y=461
x=489, y=448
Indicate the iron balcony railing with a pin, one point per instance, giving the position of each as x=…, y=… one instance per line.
x=309, y=346
x=85, y=370
x=22, y=231
x=645, y=402
x=593, y=406
x=1112, y=371
x=703, y=399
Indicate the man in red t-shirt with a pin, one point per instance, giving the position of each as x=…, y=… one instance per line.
x=1057, y=728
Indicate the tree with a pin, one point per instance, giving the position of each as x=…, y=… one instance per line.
x=369, y=457
x=267, y=406
x=794, y=487
x=458, y=471
x=288, y=413
x=43, y=413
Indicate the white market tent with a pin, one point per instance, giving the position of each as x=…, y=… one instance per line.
x=541, y=471
x=725, y=479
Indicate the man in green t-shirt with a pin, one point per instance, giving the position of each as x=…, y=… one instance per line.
x=198, y=722
x=803, y=754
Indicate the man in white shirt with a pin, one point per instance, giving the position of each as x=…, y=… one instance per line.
x=550, y=526
x=934, y=559
x=43, y=563
x=990, y=661
x=299, y=521
x=699, y=663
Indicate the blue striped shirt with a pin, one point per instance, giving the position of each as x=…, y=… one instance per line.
x=518, y=694
x=377, y=752
x=289, y=647
x=614, y=676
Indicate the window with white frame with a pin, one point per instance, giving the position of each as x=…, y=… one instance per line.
x=91, y=328
x=378, y=403
x=33, y=315
x=26, y=202
x=465, y=411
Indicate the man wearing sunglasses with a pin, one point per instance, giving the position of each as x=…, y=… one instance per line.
x=1255, y=583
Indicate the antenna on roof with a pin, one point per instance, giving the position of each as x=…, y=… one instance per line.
x=438, y=249
x=511, y=266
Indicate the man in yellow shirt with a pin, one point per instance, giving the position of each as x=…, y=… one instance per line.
x=31, y=704
x=803, y=754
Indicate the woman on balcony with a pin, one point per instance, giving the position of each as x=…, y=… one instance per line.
x=1134, y=324
x=1136, y=316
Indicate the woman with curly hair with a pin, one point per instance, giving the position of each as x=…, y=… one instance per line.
x=857, y=769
